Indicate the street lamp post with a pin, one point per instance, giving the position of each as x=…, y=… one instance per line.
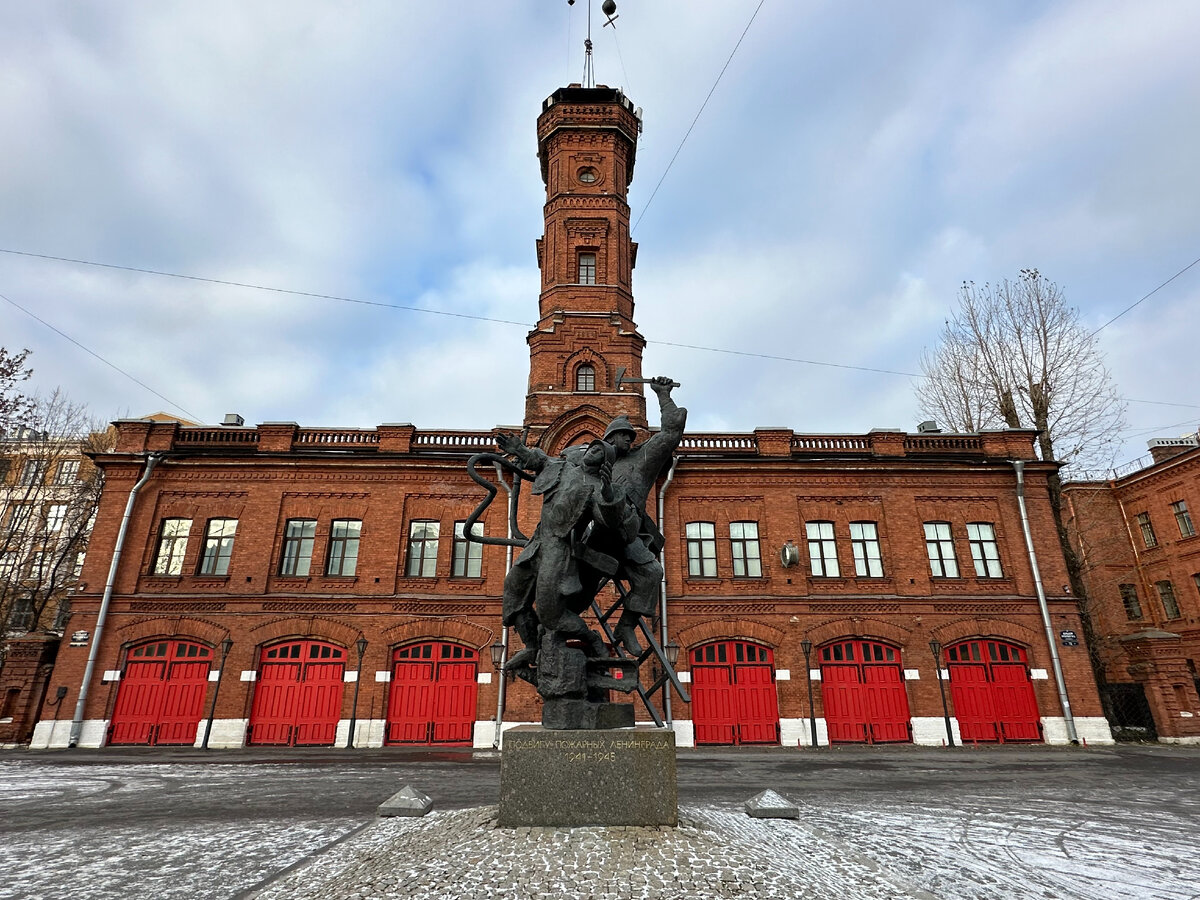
x=935, y=647
x=361, y=646
x=806, y=646
x=212, y=709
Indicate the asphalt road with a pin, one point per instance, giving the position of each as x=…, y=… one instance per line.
x=186, y=823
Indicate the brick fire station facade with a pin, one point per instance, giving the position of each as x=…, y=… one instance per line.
x=282, y=585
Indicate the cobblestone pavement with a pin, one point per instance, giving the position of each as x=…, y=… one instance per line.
x=713, y=853
x=1119, y=823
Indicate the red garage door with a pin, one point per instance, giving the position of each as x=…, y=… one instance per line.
x=862, y=688
x=161, y=697
x=432, y=699
x=993, y=696
x=298, y=698
x=733, y=694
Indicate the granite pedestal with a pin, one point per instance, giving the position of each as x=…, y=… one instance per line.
x=620, y=776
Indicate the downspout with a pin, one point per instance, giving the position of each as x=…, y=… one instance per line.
x=1055, y=662
x=77, y=721
x=662, y=559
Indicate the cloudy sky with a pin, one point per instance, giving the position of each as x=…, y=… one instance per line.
x=855, y=164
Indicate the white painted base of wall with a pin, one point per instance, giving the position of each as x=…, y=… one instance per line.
x=1189, y=739
x=1092, y=729
x=226, y=734
x=798, y=732
x=930, y=731
x=685, y=733
x=51, y=735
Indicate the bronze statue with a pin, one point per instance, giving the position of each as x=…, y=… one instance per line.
x=593, y=528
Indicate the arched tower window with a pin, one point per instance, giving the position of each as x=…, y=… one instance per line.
x=585, y=378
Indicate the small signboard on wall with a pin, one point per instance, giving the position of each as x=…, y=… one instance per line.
x=80, y=638
x=1069, y=638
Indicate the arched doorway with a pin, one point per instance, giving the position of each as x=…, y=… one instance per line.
x=993, y=696
x=432, y=697
x=862, y=689
x=733, y=694
x=298, y=695
x=161, y=695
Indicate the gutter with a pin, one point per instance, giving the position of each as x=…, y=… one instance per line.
x=1056, y=663
x=77, y=721
x=662, y=560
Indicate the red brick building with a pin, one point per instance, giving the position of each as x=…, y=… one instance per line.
x=301, y=586
x=1136, y=539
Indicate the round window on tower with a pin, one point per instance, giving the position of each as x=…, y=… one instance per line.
x=587, y=175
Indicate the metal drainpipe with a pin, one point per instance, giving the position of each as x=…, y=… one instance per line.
x=77, y=721
x=1055, y=662
x=662, y=559
x=508, y=560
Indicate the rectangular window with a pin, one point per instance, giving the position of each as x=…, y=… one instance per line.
x=822, y=550
x=56, y=515
x=218, y=546
x=747, y=557
x=1196, y=580
x=940, y=547
x=19, y=516
x=79, y=564
x=701, y=549
x=422, y=548
x=984, y=552
x=587, y=268
x=1129, y=598
x=32, y=472
x=1183, y=519
x=343, y=547
x=172, y=545
x=864, y=540
x=298, y=537
x=1148, y=536
x=8, y=564
x=68, y=471
x=1166, y=593
x=467, y=558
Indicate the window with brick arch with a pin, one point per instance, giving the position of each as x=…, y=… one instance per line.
x=744, y=547
x=172, y=545
x=585, y=378
x=701, y=549
x=1129, y=599
x=343, y=547
x=984, y=552
x=1149, y=538
x=587, y=267
x=1183, y=519
x=298, y=538
x=864, y=540
x=467, y=559
x=218, y=546
x=939, y=545
x=822, y=549
x=422, y=548
x=1166, y=595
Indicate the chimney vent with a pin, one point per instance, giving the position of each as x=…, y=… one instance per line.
x=928, y=427
x=233, y=419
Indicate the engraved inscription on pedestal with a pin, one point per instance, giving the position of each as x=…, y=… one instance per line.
x=588, y=777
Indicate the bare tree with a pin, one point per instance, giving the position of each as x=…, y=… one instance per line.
x=1016, y=354
x=15, y=407
x=48, y=499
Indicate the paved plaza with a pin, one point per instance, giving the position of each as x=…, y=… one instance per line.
x=875, y=823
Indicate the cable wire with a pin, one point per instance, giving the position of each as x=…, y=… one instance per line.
x=1147, y=297
x=697, y=119
x=90, y=352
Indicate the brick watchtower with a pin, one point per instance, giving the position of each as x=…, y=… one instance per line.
x=587, y=141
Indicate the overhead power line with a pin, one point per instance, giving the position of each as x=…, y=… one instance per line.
x=721, y=74
x=93, y=353
x=436, y=312
x=1147, y=297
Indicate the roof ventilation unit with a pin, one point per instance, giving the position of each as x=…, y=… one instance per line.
x=928, y=427
x=233, y=419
